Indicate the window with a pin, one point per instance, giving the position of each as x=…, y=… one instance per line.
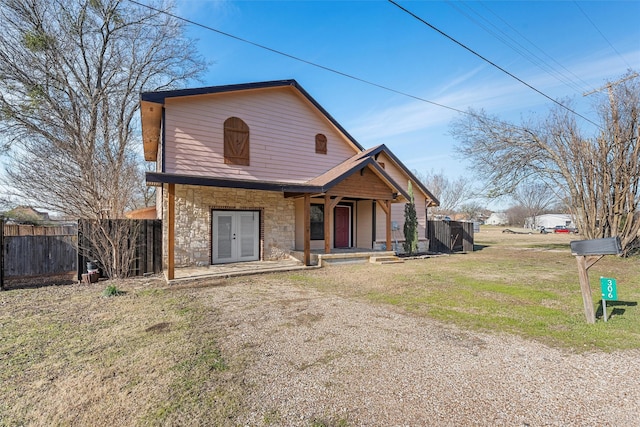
x=317, y=222
x=321, y=144
x=236, y=142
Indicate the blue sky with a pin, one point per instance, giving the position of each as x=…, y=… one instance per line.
x=562, y=48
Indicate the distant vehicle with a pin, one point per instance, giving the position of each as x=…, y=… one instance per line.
x=561, y=229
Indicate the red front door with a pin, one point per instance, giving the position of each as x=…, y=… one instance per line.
x=342, y=215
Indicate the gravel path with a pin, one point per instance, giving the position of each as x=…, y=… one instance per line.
x=317, y=358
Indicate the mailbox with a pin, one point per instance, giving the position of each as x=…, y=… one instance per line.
x=607, y=246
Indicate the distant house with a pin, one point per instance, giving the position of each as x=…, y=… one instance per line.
x=26, y=215
x=549, y=221
x=142, y=213
x=254, y=171
x=497, y=218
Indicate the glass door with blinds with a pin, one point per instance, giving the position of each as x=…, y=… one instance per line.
x=235, y=236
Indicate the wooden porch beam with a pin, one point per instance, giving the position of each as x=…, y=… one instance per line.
x=327, y=223
x=171, y=240
x=335, y=201
x=307, y=229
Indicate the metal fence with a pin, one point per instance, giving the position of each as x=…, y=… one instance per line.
x=39, y=254
x=450, y=236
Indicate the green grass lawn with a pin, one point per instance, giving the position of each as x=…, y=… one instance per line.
x=520, y=284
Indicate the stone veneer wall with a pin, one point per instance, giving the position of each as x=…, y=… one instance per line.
x=398, y=245
x=193, y=221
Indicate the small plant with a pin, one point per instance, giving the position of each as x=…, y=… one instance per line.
x=112, y=291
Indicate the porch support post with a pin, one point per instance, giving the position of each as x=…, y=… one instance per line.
x=386, y=207
x=171, y=240
x=329, y=206
x=307, y=229
x=327, y=223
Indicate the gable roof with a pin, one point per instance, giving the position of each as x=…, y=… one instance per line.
x=151, y=108
x=151, y=111
x=375, y=151
x=358, y=162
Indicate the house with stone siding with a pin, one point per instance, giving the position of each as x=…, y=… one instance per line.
x=256, y=171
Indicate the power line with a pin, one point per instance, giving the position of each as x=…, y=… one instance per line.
x=531, y=56
x=296, y=58
x=600, y=32
x=489, y=61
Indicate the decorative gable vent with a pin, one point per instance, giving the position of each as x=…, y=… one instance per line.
x=236, y=142
x=321, y=144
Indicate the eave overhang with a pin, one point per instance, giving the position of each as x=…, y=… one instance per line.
x=431, y=199
x=151, y=120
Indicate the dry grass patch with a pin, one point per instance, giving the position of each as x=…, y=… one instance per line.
x=71, y=356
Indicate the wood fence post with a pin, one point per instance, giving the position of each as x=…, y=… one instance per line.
x=1, y=254
x=171, y=238
x=584, y=263
x=307, y=229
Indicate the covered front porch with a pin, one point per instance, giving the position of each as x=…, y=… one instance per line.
x=351, y=210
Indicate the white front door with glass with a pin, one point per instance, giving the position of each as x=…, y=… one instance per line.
x=235, y=236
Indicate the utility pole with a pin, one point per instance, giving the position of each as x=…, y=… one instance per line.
x=614, y=111
x=610, y=85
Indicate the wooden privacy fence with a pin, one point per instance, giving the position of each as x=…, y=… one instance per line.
x=1, y=254
x=38, y=254
x=450, y=236
x=148, y=247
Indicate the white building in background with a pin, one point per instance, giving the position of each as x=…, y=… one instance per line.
x=549, y=221
x=497, y=218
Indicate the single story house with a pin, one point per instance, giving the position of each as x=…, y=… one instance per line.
x=497, y=218
x=549, y=221
x=255, y=171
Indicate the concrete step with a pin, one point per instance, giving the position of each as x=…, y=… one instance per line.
x=385, y=260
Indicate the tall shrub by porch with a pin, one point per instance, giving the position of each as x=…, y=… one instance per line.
x=410, y=224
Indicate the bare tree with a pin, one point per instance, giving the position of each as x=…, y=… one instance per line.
x=599, y=175
x=517, y=215
x=71, y=73
x=111, y=242
x=535, y=198
x=473, y=210
x=451, y=193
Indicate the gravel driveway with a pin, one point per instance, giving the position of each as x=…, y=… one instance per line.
x=318, y=359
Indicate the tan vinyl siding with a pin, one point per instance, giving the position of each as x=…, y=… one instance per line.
x=283, y=129
x=397, y=209
x=364, y=224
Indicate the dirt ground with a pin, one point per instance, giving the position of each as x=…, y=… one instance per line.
x=273, y=350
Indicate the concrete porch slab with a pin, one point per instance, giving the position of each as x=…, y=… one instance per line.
x=237, y=269
x=350, y=255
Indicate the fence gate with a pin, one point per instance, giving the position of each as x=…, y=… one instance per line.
x=450, y=236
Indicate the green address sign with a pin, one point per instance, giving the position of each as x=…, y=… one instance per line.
x=609, y=290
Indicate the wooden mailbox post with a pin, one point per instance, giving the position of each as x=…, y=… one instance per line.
x=587, y=253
